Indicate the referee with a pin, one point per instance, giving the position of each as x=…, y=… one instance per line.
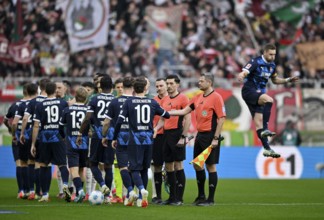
x=210, y=116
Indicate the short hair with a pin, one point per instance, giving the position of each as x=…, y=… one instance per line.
x=128, y=82
x=32, y=89
x=50, y=88
x=175, y=77
x=269, y=47
x=119, y=80
x=42, y=83
x=140, y=84
x=81, y=94
x=209, y=76
x=67, y=83
x=160, y=79
x=88, y=84
x=101, y=74
x=106, y=83
x=25, y=92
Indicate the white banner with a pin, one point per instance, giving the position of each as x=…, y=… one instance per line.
x=86, y=23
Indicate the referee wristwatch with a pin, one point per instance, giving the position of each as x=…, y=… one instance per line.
x=216, y=138
x=183, y=136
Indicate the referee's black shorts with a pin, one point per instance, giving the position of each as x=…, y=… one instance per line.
x=157, y=155
x=171, y=152
x=203, y=140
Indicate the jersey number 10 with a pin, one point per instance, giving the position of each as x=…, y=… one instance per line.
x=143, y=113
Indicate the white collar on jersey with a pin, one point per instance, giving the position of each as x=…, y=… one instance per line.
x=264, y=59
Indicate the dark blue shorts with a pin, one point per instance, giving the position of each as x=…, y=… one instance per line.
x=53, y=152
x=24, y=150
x=38, y=146
x=101, y=154
x=122, y=156
x=203, y=140
x=15, y=151
x=157, y=154
x=171, y=152
x=139, y=157
x=77, y=157
x=251, y=97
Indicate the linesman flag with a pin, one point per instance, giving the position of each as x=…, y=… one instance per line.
x=202, y=157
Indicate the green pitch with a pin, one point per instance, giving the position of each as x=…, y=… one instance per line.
x=235, y=199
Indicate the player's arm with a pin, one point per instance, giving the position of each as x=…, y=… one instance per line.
x=61, y=130
x=85, y=124
x=277, y=80
x=119, y=122
x=180, y=112
x=7, y=124
x=158, y=126
x=241, y=76
x=23, y=127
x=34, y=137
x=105, y=127
x=14, y=127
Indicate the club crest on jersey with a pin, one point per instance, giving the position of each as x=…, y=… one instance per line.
x=248, y=66
x=204, y=113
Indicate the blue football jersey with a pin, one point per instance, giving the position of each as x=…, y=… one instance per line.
x=99, y=105
x=48, y=113
x=259, y=73
x=12, y=110
x=113, y=112
x=30, y=110
x=20, y=114
x=140, y=112
x=72, y=118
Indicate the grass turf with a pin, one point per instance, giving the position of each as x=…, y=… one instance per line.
x=235, y=199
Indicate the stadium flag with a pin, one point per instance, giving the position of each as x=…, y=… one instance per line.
x=19, y=49
x=202, y=157
x=86, y=23
x=291, y=12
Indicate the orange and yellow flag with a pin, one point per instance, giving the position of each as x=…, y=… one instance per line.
x=202, y=157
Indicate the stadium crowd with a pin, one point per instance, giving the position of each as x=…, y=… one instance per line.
x=213, y=38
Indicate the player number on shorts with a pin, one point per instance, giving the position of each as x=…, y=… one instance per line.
x=143, y=113
x=102, y=105
x=77, y=118
x=52, y=114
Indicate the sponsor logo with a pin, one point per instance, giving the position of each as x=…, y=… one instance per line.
x=288, y=166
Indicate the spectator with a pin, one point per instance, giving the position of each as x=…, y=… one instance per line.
x=290, y=136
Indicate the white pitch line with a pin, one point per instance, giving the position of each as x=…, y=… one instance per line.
x=218, y=204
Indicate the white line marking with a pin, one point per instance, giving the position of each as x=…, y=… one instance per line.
x=217, y=204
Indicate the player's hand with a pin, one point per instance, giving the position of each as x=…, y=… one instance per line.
x=294, y=79
x=241, y=76
x=182, y=142
x=14, y=140
x=114, y=144
x=22, y=139
x=155, y=133
x=104, y=142
x=79, y=140
x=33, y=150
x=214, y=143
